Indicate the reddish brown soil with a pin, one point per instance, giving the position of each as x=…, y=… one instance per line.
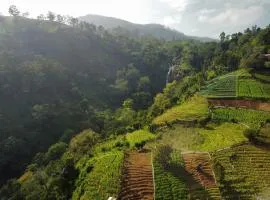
x=204, y=175
x=256, y=105
x=137, y=182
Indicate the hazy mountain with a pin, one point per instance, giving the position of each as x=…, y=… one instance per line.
x=136, y=30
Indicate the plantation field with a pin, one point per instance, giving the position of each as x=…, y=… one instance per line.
x=110, y=145
x=243, y=172
x=221, y=136
x=99, y=177
x=241, y=83
x=263, y=77
x=224, y=86
x=253, y=88
x=194, y=109
x=251, y=118
x=169, y=182
x=139, y=136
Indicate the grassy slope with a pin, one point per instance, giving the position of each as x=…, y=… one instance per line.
x=139, y=136
x=194, y=109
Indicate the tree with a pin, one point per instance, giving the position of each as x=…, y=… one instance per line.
x=73, y=21
x=60, y=18
x=41, y=17
x=13, y=10
x=222, y=37
x=51, y=16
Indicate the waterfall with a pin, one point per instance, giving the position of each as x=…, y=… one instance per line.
x=170, y=74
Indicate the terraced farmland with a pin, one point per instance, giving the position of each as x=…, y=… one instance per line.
x=170, y=181
x=137, y=181
x=224, y=86
x=243, y=172
x=99, y=177
x=253, y=88
x=238, y=84
x=251, y=118
x=199, y=166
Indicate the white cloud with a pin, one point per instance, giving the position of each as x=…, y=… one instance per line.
x=233, y=16
x=179, y=5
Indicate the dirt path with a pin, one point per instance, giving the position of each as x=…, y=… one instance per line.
x=199, y=166
x=137, y=183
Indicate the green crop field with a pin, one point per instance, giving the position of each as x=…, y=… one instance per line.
x=169, y=183
x=251, y=118
x=139, y=136
x=224, y=86
x=253, y=88
x=99, y=177
x=243, y=172
x=220, y=136
x=239, y=84
x=195, y=108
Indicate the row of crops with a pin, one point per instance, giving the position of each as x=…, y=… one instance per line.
x=168, y=185
x=239, y=84
x=99, y=176
x=243, y=172
x=224, y=86
x=253, y=88
x=252, y=118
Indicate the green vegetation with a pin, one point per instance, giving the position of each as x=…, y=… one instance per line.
x=180, y=138
x=253, y=88
x=222, y=87
x=242, y=172
x=251, y=118
x=239, y=84
x=219, y=136
x=169, y=183
x=194, y=109
x=139, y=136
x=99, y=177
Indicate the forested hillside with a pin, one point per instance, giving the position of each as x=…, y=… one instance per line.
x=122, y=27
x=77, y=101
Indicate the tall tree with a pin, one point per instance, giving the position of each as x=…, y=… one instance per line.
x=51, y=16
x=13, y=10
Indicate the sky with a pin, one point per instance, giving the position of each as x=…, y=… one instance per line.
x=192, y=17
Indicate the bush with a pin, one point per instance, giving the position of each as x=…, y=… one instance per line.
x=251, y=134
x=140, y=145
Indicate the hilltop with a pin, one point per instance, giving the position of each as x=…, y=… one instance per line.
x=119, y=26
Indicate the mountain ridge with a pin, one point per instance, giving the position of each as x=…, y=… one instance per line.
x=158, y=31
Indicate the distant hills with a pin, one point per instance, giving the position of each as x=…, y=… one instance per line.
x=137, y=30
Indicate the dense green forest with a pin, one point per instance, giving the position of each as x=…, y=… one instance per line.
x=59, y=77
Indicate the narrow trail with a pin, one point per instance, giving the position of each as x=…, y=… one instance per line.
x=137, y=182
x=199, y=166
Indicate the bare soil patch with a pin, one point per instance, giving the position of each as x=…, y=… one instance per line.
x=137, y=182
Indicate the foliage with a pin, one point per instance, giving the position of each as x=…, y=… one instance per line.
x=138, y=137
x=220, y=136
x=99, y=177
x=252, y=118
x=168, y=174
x=194, y=109
x=242, y=171
x=82, y=143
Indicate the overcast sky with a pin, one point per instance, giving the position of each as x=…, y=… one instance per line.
x=192, y=17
